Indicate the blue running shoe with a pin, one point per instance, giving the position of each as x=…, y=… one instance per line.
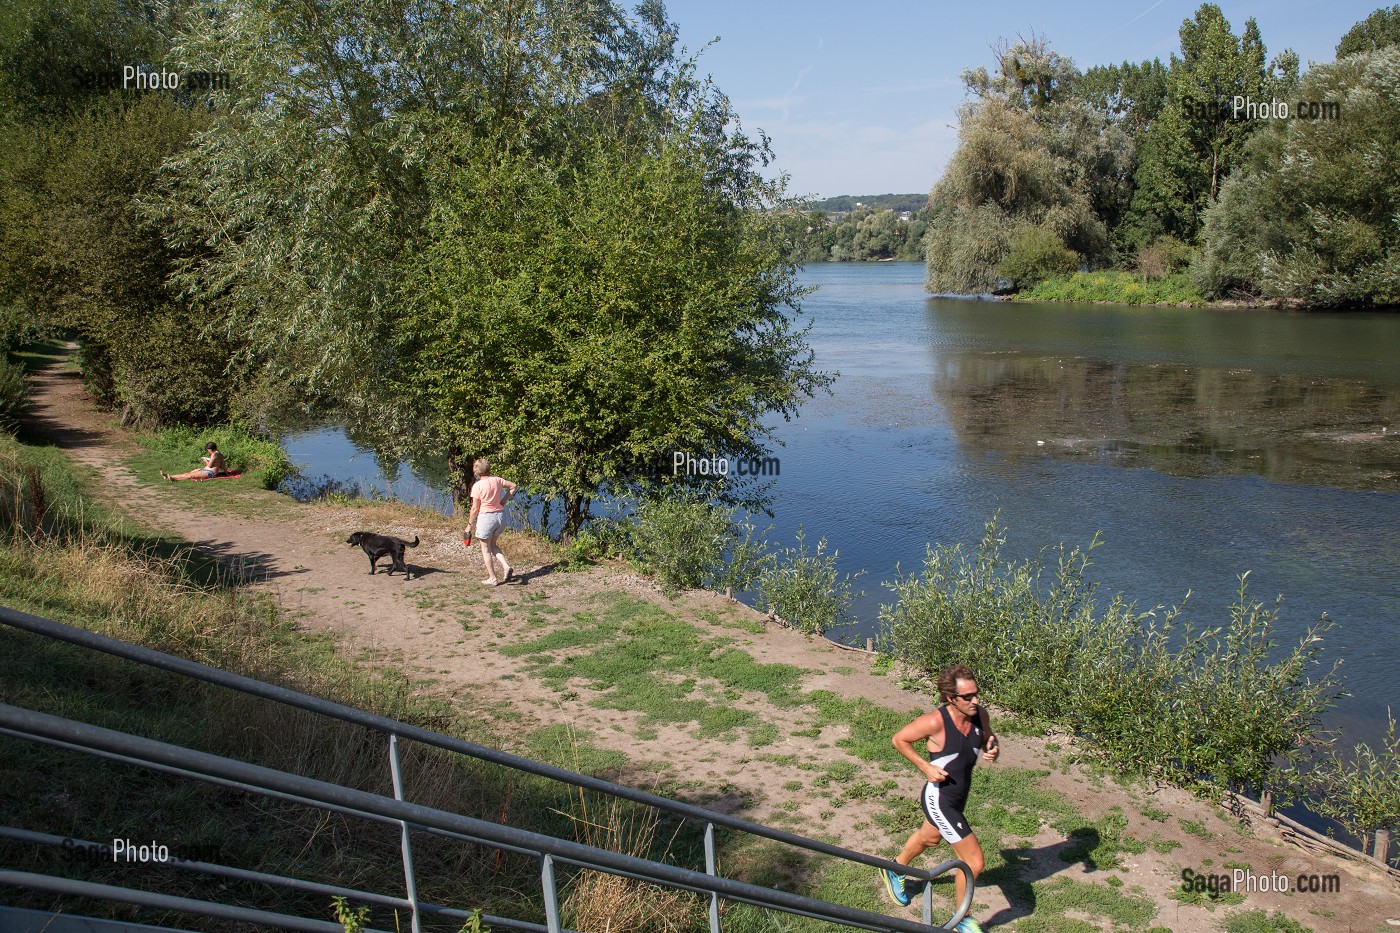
x=894, y=884
x=968, y=925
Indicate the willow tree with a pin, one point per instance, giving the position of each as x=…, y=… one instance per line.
x=520, y=230
x=1034, y=162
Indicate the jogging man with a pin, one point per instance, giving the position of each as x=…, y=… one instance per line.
x=958, y=734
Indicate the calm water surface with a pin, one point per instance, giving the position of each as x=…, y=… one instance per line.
x=1200, y=444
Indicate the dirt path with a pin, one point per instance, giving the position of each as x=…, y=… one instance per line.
x=447, y=630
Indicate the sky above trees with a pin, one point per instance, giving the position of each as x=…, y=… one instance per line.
x=863, y=98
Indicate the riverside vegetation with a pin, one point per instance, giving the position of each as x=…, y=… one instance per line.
x=1215, y=709
x=65, y=556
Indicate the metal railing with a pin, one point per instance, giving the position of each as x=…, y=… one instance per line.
x=551, y=851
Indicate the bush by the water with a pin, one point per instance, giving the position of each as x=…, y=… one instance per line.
x=1361, y=791
x=1216, y=706
x=1117, y=287
x=679, y=537
x=688, y=541
x=804, y=589
x=242, y=451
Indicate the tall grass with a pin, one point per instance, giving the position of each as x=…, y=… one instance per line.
x=1118, y=288
x=598, y=902
x=1220, y=706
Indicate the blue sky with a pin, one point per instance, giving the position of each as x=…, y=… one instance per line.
x=862, y=98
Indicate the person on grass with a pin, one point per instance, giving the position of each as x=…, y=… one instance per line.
x=488, y=517
x=213, y=465
x=958, y=733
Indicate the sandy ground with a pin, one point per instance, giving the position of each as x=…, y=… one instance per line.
x=299, y=554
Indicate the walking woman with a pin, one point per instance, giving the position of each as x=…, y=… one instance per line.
x=488, y=517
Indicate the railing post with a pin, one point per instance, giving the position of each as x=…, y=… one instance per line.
x=551, y=895
x=928, y=902
x=712, y=868
x=410, y=885
x=1383, y=846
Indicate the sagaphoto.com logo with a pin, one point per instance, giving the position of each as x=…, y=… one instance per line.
x=1247, y=881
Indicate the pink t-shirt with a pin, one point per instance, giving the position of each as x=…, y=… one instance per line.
x=488, y=489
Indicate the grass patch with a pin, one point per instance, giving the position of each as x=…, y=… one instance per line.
x=1155, y=814
x=178, y=450
x=640, y=659
x=1195, y=829
x=1257, y=921
x=567, y=747
x=1117, y=287
x=1065, y=894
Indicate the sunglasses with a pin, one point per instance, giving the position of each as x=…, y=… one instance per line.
x=968, y=696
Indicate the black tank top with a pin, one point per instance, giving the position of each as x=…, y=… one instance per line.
x=957, y=757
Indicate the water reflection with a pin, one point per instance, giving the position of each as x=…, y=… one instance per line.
x=1183, y=420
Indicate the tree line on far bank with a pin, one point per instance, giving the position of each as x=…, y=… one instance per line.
x=1161, y=170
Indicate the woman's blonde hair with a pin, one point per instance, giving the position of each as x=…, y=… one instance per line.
x=481, y=467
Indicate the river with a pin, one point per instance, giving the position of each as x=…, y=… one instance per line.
x=1200, y=444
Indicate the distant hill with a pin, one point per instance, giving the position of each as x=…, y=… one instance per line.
x=895, y=202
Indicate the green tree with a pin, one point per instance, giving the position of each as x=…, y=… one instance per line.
x=1132, y=94
x=1314, y=214
x=1379, y=30
x=523, y=230
x=1030, y=154
x=78, y=249
x=581, y=321
x=878, y=236
x=1193, y=144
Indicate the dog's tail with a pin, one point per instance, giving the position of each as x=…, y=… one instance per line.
x=415, y=542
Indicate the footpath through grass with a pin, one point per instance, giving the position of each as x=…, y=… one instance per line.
x=60, y=556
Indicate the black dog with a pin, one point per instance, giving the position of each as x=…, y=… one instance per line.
x=377, y=546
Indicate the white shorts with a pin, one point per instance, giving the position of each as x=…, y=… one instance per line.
x=489, y=525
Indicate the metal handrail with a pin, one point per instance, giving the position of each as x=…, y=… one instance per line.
x=395, y=729
x=258, y=877
x=43, y=727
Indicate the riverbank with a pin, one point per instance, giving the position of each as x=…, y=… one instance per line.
x=699, y=697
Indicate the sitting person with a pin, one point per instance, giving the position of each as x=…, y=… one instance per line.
x=213, y=465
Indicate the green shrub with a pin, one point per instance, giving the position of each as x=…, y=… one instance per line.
x=1361, y=792
x=1037, y=254
x=1147, y=688
x=690, y=542
x=1257, y=921
x=749, y=556
x=14, y=393
x=1163, y=257
x=804, y=589
x=679, y=537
